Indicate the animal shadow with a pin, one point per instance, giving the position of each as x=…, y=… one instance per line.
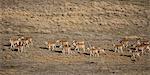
x=43, y=48
x=90, y=62
x=7, y=45
x=86, y=53
x=127, y=55
x=58, y=51
x=111, y=50
x=15, y=50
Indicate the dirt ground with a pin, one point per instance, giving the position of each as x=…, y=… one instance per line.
x=40, y=61
x=98, y=22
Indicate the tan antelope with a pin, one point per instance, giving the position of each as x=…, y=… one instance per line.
x=124, y=41
x=101, y=50
x=19, y=46
x=27, y=40
x=66, y=49
x=78, y=45
x=119, y=48
x=143, y=47
x=51, y=45
x=62, y=42
x=13, y=41
x=93, y=51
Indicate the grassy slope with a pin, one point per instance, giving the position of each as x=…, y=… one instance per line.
x=48, y=16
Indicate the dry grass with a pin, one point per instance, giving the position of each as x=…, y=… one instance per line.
x=90, y=16
x=99, y=22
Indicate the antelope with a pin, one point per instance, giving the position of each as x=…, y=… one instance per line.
x=101, y=50
x=24, y=41
x=62, y=42
x=93, y=51
x=51, y=45
x=136, y=43
x=13, y=41
x=66, y=49
x=19, y=46
x=124, y=41
x=119, y=48
x=79, y=45
x=27, y=40
x=143, y=47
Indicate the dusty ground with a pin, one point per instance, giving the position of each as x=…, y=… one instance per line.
x=40, y=61
x=100, y=23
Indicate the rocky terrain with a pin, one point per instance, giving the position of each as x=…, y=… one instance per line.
x=99, y=22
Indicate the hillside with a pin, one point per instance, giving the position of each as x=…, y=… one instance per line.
x=99, y=23
x=48, y=16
